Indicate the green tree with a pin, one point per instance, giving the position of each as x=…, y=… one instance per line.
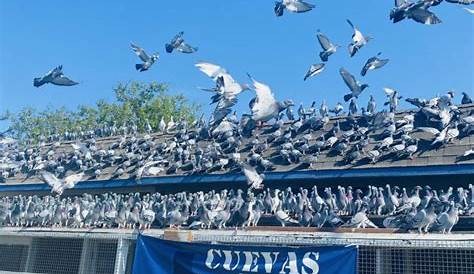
x=135, y=103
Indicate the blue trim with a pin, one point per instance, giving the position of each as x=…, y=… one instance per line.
x=462, y=169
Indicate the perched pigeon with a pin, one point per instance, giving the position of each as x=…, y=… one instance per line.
x=314, y=70
x=466, y=99
x=177, y=43
x=296, y=6
x=358, y=40
x=55, y=77
x=148, y=61
x=328, y=47
x=354, y=86
x=373, y=63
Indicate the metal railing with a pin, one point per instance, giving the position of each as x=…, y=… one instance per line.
x=112, y=251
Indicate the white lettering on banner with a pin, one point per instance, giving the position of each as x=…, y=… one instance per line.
x=231, y=261
x=268, y=260
x=210, y=258
x=310, y=263
x=290, y=264
x=228, y=259
x=250, y=264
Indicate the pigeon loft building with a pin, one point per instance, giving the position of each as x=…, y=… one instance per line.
x=66, y=250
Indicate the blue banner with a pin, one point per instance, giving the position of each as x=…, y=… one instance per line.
x=156, y=256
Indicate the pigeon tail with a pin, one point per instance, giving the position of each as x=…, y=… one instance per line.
x=140, y=67
x=169, y=48
x=37, y=82
x=347, y=97
x=324, y=56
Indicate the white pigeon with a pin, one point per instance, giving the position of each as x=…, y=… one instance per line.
x=230, y=87
x=265, y=107
x=57, y=185
x=358, y=40
x=254, y=180
x=162, y=125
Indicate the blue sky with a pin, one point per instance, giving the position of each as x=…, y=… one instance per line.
x=92, y=41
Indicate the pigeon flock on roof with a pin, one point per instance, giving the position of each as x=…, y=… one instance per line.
x=421, y=209
x=269, y=137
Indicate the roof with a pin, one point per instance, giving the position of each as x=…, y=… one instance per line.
x=444, y=160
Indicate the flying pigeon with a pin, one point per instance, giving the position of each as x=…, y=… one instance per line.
x=254, y=180
x=373, y=63
x=177, y=43
x=264, y=106
x=314, y=70
x=57, y=185
x=226, y=90
x=354, y=86
x=147, y=60
x=422, y=15
x=55, y=77
x=296, y=6
x=358, y=40
x=328, y=47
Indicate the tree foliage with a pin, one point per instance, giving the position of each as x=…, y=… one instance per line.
x=136, y=103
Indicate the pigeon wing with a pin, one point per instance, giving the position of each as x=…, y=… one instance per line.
x=462, y=2
x=298, y=6
x=211, y=70
x=185, y=48
x=357, y=37
x=323, y=41
x=50, y=179
x=424, y=16
x=348, y=79
x=253, y=178
x=264, y=95
x=430, y=130
x=63, y=81
x=140, y=52
x=71, y=180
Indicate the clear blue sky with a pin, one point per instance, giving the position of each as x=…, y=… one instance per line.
x=91, y=40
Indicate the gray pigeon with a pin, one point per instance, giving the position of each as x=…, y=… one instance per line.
x=296, y=6
x=55, y=77
x=315, y=69
x=373, y=63
x=354, y=86
x=148, y=61
x=177, y=43
x=328, y=47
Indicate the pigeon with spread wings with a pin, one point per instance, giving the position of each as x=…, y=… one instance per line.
x=148, y=61
x=55, y=77
x=59, y=185
x=177, y=43
x=354, y=86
